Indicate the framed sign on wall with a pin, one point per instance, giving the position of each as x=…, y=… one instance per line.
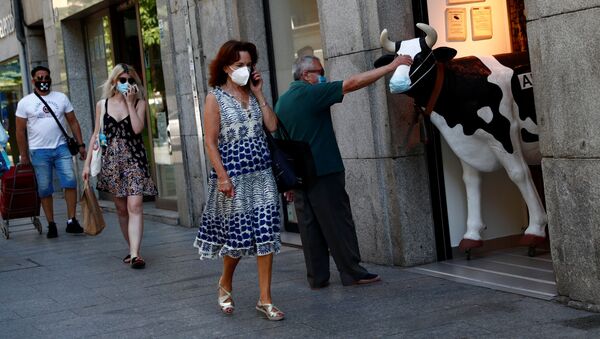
x=481, y=22
x=456, y=2
x=456, y=24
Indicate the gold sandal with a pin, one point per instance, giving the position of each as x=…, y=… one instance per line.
x=227, y=307
x=270, y=311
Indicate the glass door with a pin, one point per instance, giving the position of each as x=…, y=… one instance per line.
x=295, y=31
x=164, y=127
x=100, y=60
x=11, y=91
x=128, y=32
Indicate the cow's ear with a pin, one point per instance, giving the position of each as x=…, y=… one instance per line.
x=444, y=54
x=384, y=60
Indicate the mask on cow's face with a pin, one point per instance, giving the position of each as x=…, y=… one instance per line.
x=399, y=83
x=402, y=80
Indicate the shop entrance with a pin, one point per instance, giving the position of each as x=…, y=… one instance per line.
x=500, y=264
x=503, y=209
x=129, y=33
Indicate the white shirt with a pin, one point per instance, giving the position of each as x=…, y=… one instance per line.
x=42, y=130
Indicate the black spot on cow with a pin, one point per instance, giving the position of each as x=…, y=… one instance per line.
x=526, y=136
x=521, y=82
x=465, y=91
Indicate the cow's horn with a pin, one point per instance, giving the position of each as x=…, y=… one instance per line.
x=386, y=43
x=430, y=34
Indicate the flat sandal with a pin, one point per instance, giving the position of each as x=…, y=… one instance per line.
x=270, y=311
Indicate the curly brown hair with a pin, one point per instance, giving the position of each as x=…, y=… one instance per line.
x=228, y=54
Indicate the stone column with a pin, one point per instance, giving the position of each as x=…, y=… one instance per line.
x=388, y=186
x=200, y=28
x=183, y=72
x=564, y=48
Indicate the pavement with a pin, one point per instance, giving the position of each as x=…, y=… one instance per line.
x=76, y=286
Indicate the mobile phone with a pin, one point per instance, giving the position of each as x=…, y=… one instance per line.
x=254, y=82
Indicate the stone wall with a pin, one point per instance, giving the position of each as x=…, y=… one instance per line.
x=388, y=186
x=564, y=46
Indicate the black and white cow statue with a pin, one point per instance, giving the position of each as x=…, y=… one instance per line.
x=483, y=107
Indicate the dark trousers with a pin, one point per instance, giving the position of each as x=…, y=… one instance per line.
x=326, y=225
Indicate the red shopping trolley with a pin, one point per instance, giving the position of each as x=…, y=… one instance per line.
x=19, y=198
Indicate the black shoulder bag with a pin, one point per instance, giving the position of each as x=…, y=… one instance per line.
x=71, y=142
x=292, y=161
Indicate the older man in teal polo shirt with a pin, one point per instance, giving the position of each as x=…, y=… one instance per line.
x=324, y=215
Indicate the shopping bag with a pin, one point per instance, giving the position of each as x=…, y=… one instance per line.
x=93, y=220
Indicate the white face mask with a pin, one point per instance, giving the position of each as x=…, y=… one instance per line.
x=240, y=76
x=400, y=81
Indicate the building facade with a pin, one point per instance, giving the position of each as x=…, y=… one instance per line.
x=402, y=200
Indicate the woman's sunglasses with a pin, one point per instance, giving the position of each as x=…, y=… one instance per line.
x=131, y=81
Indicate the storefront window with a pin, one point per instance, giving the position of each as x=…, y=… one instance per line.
x=164, y=126
x=99, y=49
x=129, y=32
x=11, y=91
x=298, y=33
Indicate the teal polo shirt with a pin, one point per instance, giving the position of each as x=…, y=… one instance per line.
x=304, y=110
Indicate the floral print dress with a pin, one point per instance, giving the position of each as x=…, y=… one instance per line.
x=124, y=169
x=249, y=223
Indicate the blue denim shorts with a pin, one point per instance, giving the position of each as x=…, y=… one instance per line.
x=45, y=160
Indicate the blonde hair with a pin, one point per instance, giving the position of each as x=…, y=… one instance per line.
x=109, y=86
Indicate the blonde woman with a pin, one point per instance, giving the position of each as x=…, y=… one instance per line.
x=124, y=171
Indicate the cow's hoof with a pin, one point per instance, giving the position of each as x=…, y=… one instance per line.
x=467, y=244
x=532, y=240
x=468, y=254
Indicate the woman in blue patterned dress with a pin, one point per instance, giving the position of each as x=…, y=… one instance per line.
x=241, y=216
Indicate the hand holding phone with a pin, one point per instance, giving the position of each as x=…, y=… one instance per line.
x=252, y=71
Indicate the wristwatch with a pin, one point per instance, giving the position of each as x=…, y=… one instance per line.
x=81, y=145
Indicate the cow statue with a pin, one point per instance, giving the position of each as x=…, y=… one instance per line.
x=483, y=107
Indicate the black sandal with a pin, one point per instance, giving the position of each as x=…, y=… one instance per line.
x=127, y=259
x=137, y=262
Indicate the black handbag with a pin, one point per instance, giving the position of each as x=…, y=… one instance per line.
x=292, y=161
x=71, y=142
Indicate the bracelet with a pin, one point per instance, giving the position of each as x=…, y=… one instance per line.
x=81, y=145
x=224, y=182
x=263, y=104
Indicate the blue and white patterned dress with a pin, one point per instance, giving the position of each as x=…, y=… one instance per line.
x=249, y=223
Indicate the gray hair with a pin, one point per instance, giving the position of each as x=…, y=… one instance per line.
x=302, y=64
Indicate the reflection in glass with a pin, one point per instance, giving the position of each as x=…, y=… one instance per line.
x=297, y=27
x=164, y=128
x=100, y=58
x=11, y=91
x=298, y=33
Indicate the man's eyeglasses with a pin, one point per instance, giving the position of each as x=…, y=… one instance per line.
x=131, y=81
x=319, y=71
x=43, y=78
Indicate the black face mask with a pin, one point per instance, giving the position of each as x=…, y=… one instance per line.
x=43, y=86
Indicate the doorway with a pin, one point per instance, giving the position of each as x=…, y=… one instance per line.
x=503, y=209
x=129, y=33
